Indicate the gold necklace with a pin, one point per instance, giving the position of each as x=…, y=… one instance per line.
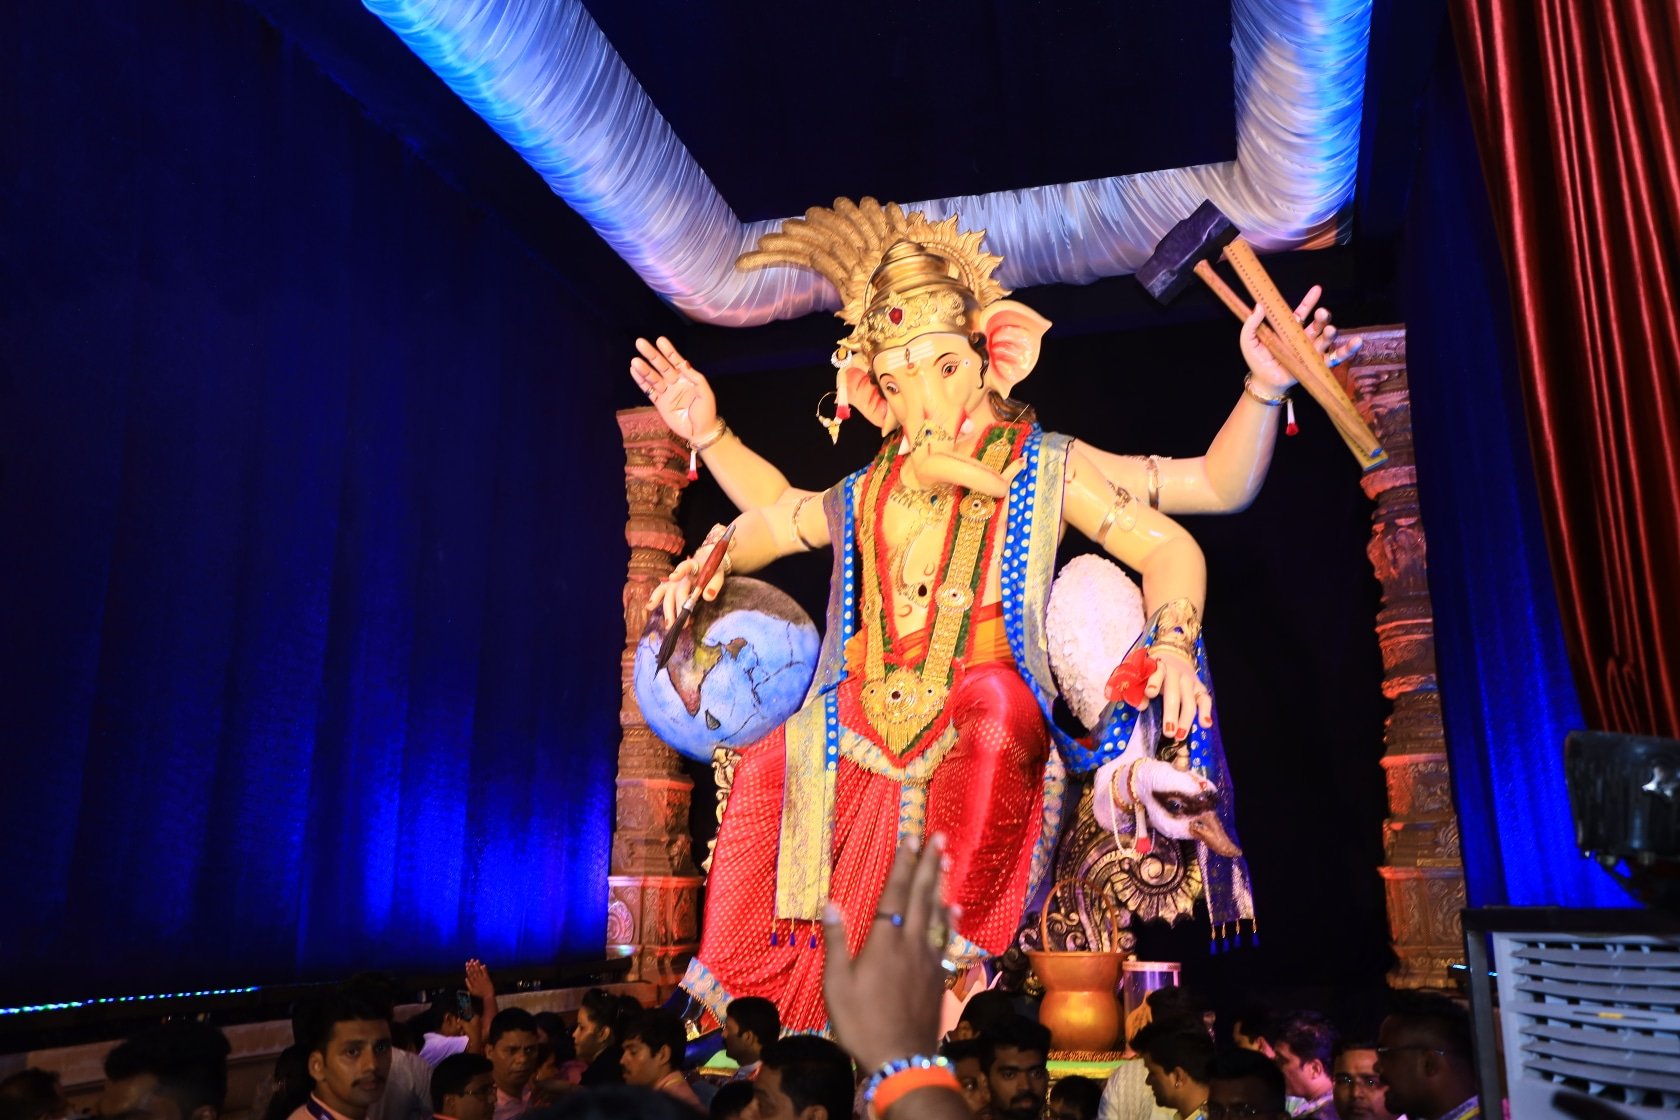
x=901, y=702
x=931, y=508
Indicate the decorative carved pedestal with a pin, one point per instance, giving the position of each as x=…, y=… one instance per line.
x=653, y=911
x=1422, y=867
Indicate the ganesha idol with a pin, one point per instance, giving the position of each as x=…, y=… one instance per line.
x=931, y=707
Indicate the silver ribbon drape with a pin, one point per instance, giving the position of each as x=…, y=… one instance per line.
x=544, y=76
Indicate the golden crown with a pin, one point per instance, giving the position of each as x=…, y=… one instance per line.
x=898, y=275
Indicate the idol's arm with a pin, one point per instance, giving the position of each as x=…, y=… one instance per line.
x=1224, y=480
x=748, y=479
x=688, y=406
x=1228, y=476
x=795, y=524
x=1174, y=577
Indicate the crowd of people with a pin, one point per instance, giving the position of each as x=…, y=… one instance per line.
x=466, y=1059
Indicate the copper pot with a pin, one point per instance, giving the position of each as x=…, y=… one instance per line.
x=1079, y=1006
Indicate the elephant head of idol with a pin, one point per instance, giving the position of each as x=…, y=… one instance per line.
x=933, y=344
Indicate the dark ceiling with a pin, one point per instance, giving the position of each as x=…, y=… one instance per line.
x=788, y=105
x=1027, y=95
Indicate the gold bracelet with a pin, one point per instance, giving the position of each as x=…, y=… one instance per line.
x=1154, y=469
x=794, y=522
x=717, y=433
x=1116, y=514
x=1173, y=647
x=1270, y=402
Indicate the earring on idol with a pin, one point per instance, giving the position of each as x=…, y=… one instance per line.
x=840, y=359
x=831, y=424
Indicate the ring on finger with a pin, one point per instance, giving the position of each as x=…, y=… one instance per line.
x=893, y=917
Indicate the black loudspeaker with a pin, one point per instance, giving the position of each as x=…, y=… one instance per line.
x=1624, y=792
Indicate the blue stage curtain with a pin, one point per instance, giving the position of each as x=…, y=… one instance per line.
x=1507, y=691
x=311, y=520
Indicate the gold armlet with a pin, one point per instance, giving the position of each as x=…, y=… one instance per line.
x=707, y=441
x=1270, y=402
x=1154, y=469
x=799, y=535
x=1177, y=626
x=1118, y=514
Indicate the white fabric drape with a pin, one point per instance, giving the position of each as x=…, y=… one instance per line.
x=544, y=76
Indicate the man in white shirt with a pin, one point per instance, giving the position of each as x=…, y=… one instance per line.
x=459, y=1022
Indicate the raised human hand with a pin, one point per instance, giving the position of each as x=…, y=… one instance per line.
x=884, y=1004
x=1265, y=367
x=1183, y=696
x=478, y=979
x=680, y=392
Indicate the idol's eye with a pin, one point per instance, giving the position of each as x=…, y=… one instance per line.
x=948, y=368
x=890, y=388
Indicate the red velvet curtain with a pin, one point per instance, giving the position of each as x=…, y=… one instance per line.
x=1577, y=109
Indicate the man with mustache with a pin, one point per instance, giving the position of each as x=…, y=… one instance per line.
x=349, y=1058
x=514, y=1054
x=1359, y=1091
x=1013, y=1055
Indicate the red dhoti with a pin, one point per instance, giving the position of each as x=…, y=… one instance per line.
x=985, y=795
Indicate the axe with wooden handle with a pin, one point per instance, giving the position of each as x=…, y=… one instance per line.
x=1190, y=248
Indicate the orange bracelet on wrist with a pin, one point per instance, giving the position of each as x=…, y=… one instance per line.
x=895, y=1088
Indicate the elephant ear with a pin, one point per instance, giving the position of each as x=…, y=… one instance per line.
x=865, y=396
x=1013, y=333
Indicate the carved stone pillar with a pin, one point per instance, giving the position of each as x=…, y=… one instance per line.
x=652, y=912
x=1421, y=868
